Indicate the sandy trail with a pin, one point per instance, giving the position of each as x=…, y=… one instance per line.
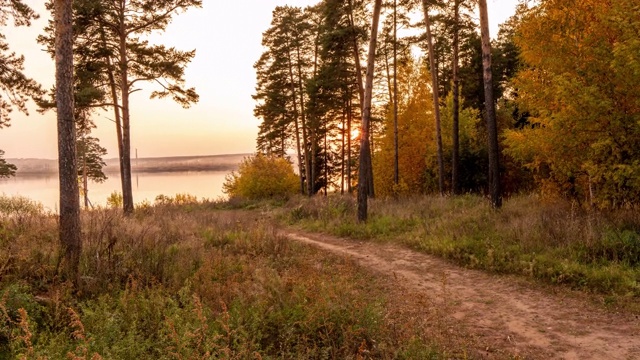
x=506, y=317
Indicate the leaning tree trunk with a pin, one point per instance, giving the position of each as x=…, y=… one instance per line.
x=455, y=158
x=69, y=228
x=436, y=101
x=365, y=151
x=490, y=113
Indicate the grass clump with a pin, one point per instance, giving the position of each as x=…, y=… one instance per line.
x=200, y=283
x=550, y=241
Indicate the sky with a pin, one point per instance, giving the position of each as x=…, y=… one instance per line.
x=227, y=37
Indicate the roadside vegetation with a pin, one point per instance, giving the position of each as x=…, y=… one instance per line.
x=552, y=241
x=191, y=281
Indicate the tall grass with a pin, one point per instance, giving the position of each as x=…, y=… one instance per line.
x=190, y=282
x=552, y=241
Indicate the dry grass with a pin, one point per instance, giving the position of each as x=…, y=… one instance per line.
x=192, y=282
x=553, y=241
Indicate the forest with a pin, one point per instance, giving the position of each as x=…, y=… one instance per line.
x=392, y=134
x=563, y=84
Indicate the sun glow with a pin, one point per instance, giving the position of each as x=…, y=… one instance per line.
x=355, y=133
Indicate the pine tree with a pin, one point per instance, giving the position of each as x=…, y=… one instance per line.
x=365, y=152
x=113, y=32
x=69, y=228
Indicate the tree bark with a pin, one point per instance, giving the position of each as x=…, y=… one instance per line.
x=297, y=126
x=127, y=189
x=436, y=100
x=307, y=156
x=69, y=228
x=349, y=115
x=490, y=113
x=455, y=157
x=365, y=151
x=116, y=109
x=396, y=157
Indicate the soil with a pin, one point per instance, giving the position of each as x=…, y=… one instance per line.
x=504, y=316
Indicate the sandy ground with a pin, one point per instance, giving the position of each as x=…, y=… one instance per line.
x=505, y=317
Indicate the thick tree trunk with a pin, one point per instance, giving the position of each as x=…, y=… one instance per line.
x=436, y=101
x=396, y=156
x=490, y=113
x=455, y=157
x=69, y=228
x=365, y=151
x=361, y=92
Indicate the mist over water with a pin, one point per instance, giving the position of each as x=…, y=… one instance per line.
x=146, y=186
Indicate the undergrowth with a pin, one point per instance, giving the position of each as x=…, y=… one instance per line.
x=554, y=242
x=190, y=282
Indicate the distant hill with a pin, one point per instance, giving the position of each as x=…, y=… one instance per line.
x=142, y=165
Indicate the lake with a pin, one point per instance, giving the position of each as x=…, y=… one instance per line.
x=146, y=186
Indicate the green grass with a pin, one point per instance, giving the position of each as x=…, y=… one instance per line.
x=553, y=242
x=192, y=282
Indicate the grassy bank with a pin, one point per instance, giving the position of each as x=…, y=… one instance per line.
x=191, y=282
x=554, y=242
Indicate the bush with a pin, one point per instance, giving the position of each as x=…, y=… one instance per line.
x=262, y=177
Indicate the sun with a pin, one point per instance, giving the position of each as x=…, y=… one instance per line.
x=355, y=133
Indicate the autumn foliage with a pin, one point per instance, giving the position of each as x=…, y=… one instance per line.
x=262, y=177
x=581, y=86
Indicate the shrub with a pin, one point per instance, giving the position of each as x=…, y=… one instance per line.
x=115, y=200
x=262, y=177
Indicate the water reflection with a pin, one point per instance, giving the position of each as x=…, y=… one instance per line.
x=146, y=187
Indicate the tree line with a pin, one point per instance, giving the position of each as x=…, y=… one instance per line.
x=311, y=96
x=549, y=105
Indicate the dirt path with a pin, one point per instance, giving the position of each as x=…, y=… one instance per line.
x=506, y=318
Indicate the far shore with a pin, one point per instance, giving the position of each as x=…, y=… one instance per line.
x=208, y=163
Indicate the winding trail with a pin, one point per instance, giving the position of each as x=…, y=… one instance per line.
x=506, y=317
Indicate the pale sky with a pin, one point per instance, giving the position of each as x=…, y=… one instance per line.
x=227, y=37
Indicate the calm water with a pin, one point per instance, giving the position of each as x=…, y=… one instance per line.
x=146, y=186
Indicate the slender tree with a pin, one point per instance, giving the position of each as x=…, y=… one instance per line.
x=365, y=154
x=69, y=228
x=490, y=113
x=436, y=99
x=455, y=157
x=396, y=171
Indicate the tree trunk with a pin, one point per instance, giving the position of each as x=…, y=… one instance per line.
x=365, y=154
x=127, y=190
x=436, y=101
x=307, y=156
x=342, y=151
x=455, y=157
x=116, y=109
x=69, y=228
x=85, y=181
x=349, y=115
x=361, y=92
x=490, y=113
x=297, y=126
x=396, y=169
